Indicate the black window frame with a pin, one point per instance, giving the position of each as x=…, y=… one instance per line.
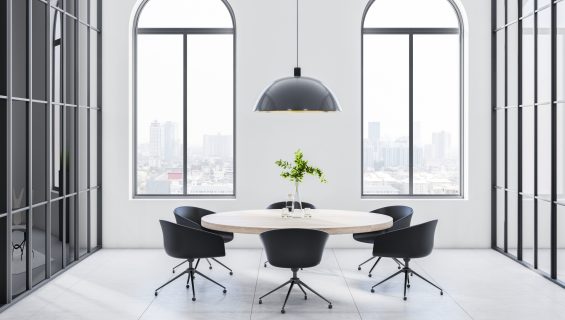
x=185, y=32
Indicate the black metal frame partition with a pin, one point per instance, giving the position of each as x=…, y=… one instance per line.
x=76, y=17
x=502, y=94
x=185, y=32
x=410, y=32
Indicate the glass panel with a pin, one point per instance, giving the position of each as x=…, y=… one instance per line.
x=57, y=214
x=512, y=80
x=83, y=148
x=39, y=51
x=436, y=92
x=528, y=61
x=560, y=152
x=82, y=223
x=544, y=3
x=185, y=14
x=500, y=13
x=527, y=7
x=544, y=236
x=93, y=148
x=500, y=196
x=3, y=158
x=414, y=14
x=528, y=229
x=40, y=134
x=83, y=65
x=512, y=10
x=544, y=152
x=70, y=7
x=70, y=60
x=385, y=112
x=544, y=57
x=500, y=142
x=39, y=233
x=19, y=252
x=513, y=223
x=93, y=218
x=57, y=3
x=3, y=52
x=159, y=104
x=561, y=242
x=83, y=10
x=19, y=154
x=94, y=13
x=70, y=239
x=209, y=117
x=93, y=69
x=69, y=157
x=560, y=51
x=57, y=57
x=57, y=151
x=528, y=151
x=19, y=49
x=500, y=69
x=512, y=160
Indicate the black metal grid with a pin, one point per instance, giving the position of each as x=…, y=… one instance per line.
x=499, y=28
x=411, y=32
x=185, y=32
x=6, y=289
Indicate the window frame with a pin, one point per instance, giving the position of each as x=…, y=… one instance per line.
x=185, y=32
x=411, y=32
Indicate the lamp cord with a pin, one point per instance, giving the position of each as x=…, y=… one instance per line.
x=297, y=65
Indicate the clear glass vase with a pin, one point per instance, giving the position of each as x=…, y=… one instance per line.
x=297, y=210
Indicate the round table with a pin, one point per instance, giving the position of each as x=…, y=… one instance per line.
x=330, y=221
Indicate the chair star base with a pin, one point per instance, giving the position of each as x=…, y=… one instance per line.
x=295, y=281
x=191, y=271
x=406, y=269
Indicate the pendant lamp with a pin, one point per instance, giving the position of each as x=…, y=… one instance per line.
x=297, y=93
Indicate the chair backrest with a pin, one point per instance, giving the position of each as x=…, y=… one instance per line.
x=401, y=216
x=282, y=204
x=190, y=216
x=412, y=242
x=188, y=243
x=294, y=248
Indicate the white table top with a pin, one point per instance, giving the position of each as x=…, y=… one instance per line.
x=330, y=221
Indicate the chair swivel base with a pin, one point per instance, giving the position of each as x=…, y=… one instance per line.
x=406, y=269
x=209, y=265
x=295, y=281
x=400, y=265
x=191, y=271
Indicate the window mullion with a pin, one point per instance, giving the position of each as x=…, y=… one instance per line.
x=184, y=114
x=411, y=114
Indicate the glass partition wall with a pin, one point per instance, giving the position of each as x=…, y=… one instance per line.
x=528, y=143
x=49, y=140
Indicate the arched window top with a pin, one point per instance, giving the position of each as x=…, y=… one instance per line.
x=185, y=14
x=411, y=14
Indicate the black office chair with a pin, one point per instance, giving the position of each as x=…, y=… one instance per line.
x=294, y=249
x=282, y=204
x=408, y=243
x=188, y=243
x=401, y=217
x=191, y=217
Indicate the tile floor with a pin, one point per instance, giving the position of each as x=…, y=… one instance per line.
x=119, y=284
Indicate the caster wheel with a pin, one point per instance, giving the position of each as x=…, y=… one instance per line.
x=156, y=293
x=407, y=286
x=441, y=293
x=225, y=291
x=370, y=275
x=187, y=286
x=305, y=297
x=260, y=301
x=405, y=298
x=358, y=268
x=231, y=273
x=210, y=268
x=398, y=267
x=330, y=306
x=173, y=270
x=193, y=299
x=411, y=274
x=282, y=311
x=372, y=290
x=265, y=265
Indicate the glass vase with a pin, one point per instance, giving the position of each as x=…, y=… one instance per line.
x=297, y=210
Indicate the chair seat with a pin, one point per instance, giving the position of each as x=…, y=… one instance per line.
x=226, y=236
x=368, y=237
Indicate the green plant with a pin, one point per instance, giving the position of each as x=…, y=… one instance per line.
x=296, y=172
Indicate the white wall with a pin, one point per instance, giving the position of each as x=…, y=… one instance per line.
x=330, y=50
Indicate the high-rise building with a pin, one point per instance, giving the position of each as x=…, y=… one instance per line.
x=156, y=140
x=440, y=145
x=170, y=144
x=375, y=134
x=218, y=145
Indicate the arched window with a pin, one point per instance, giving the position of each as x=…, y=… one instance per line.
x=412, y=98
x=184, y=98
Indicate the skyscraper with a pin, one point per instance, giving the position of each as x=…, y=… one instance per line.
x=440, y=145
x=170, y=145
x=375, y=134
x=156, y=140
x=218, y=145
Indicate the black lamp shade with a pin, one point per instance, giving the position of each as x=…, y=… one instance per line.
x=297, y=94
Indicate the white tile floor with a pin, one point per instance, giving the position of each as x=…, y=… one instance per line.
x=119, y=284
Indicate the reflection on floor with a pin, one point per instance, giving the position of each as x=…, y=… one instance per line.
x=119, y=284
